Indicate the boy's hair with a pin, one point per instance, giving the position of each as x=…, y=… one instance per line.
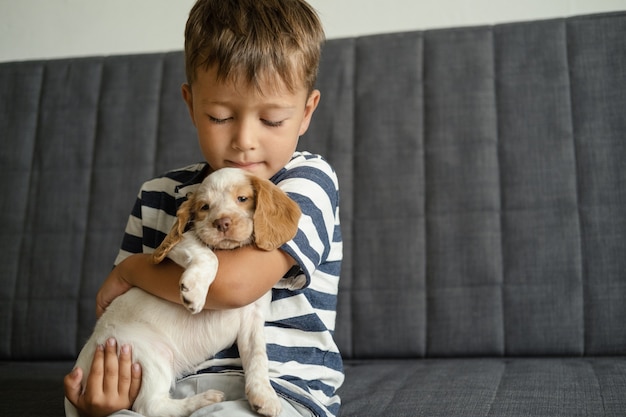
x=256, y=40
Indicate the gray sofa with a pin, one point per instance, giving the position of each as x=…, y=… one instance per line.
x=483, y=180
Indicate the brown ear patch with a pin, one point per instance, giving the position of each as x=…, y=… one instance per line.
x=183, y=216
x=276, y=215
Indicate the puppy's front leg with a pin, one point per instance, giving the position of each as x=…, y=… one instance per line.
x=196, y=280
x=200, y=265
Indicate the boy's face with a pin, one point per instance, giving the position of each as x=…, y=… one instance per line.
x=239, y=127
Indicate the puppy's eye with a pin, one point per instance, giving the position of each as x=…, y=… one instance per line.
x=205, y=207
x=242, y=199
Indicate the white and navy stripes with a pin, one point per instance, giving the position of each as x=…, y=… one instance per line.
x=305, y=363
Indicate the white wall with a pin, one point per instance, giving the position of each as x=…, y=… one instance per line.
x=32, y=29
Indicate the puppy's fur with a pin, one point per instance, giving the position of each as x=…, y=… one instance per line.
x=230, y=209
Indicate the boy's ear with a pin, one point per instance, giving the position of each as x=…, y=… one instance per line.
x=188, y=97
x=309, y=108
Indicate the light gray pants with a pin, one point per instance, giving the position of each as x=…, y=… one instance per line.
x=235, y=405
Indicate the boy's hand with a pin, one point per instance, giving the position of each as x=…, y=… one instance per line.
x=113, y=382
x=112, y=287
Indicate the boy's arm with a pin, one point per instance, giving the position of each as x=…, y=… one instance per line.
x=243, y=276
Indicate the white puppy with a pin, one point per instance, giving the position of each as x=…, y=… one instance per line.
x=231, y=208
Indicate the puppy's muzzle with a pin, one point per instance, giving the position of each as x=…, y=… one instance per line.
x=222, y=224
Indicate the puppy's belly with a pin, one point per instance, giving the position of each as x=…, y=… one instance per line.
x=158, y=328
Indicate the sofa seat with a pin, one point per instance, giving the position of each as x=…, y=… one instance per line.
x=498, y=387
x=32, y=388
x=443, y=387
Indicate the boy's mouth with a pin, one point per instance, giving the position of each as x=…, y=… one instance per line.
x=243, y=165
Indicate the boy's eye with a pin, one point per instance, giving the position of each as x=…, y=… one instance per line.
x=218, y=120
x=272, y=123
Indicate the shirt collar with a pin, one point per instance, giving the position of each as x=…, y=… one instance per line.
x=191, y=185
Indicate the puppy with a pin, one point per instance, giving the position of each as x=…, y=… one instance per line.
x=231, y=208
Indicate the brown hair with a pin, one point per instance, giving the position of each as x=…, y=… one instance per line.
x=251, y=40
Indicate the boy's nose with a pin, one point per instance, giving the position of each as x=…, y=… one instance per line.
x=244, y=139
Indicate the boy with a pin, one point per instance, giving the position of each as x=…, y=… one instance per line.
x=251, y=67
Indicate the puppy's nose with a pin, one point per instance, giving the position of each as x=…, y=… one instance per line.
x=222, y=224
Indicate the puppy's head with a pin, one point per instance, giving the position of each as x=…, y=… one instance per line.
x=232, y=208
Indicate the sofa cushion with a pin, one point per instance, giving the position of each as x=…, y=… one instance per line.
x=32, y=389
x=537, y=387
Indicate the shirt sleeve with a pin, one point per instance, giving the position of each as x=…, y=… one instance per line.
x=151, y=218
x=132, y=241
x=311, y=182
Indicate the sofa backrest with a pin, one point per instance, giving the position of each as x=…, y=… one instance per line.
x=482, y=178
x=79, y=136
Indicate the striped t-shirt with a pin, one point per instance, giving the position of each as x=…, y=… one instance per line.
x=305, y=364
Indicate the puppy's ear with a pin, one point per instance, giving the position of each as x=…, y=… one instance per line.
x=276, y=215
x=183, y=215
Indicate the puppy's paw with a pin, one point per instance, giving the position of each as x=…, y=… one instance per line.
x=263, y=400
x=186, y=406
x=193, y=290
x=213, y=396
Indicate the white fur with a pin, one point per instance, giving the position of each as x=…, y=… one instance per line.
x=169, y=342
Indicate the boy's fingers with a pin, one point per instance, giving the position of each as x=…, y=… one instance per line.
x=130, y=374
x=125, y=364
x=71, y=385
x=94, y=381
x=135, y=382
x=110, y=367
